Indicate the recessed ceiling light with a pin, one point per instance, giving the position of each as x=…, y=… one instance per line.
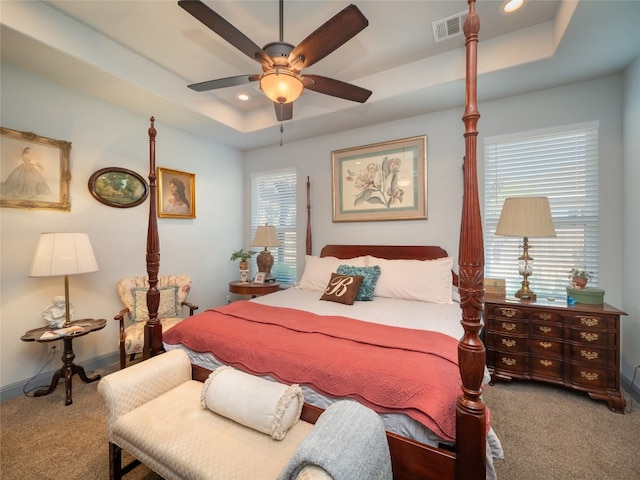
x=511, y=6
x=243, y=96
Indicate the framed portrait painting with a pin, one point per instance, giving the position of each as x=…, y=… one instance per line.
x=176, y=194
x=35, y=171
x=381, y=181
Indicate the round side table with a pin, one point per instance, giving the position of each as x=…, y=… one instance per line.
x=253, y=289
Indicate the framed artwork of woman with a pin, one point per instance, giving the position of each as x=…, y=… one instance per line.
x=176, y=194
x=35, y=171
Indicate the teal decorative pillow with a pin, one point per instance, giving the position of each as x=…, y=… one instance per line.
x=168, y=307
x=370, y=274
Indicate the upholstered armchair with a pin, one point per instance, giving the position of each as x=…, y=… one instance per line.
x=133, y=317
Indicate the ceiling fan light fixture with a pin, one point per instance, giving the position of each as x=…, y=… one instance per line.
x=280, y=85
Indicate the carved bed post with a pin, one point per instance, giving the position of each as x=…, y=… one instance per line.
x=308, y=250
x=470, y=409
x=153, y=327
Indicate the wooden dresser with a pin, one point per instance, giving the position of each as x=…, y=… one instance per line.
x=577, y=346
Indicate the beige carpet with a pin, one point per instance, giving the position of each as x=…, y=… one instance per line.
x=547, y=433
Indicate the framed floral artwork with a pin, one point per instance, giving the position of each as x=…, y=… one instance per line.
x=118, y=187
x=176, y=194
x=382, y=181
x=35, y=171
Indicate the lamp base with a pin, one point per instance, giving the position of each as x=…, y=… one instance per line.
x=526, y=295
x=265, y=262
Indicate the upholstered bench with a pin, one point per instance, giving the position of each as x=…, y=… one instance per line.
x=155, y=412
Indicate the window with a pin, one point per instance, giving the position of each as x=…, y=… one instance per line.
x=561, y=164
x=273, y=202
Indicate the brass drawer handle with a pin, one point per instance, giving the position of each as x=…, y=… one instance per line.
x=509, y=361
x=589, y=321
x=508, y=326
x=588, y=355
x=589, y=337
x=546, y=344
x=545, y=329
x=546, y=363
x=545, y=316
x=508, y=312
x=508, y=343
x=589, y=376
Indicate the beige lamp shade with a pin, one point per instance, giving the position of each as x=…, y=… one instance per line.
x=60, y=254
x=266, y=237
x=526, y=217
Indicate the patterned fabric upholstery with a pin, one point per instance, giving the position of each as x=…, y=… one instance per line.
x=154, y=413
x=134, y=331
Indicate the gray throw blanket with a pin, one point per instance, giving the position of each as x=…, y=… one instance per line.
x=348, y=441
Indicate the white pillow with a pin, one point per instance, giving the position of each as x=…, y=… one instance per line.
x=421, y=280
x=268, y=407
x=318, y=270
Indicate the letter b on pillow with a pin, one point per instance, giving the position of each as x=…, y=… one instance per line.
x=268, y=407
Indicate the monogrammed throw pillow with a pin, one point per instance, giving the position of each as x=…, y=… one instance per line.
x=342, y=288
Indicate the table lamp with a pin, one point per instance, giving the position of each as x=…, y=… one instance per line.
x=526, y=217
x=63, y=254
x=266, y=237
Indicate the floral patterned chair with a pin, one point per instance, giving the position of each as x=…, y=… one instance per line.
x=133, y=294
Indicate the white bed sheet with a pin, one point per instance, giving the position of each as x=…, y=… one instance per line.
x=443, y=318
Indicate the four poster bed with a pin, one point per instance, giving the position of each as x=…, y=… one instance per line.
x=453, y=370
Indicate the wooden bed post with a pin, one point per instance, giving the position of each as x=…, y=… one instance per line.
x=153, y=327
x=470, y=409
x=308, y=250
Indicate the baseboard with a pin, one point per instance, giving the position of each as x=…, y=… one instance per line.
x=16, y=389
x=634, y=389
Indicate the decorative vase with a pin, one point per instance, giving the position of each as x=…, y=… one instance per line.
x=579, y=282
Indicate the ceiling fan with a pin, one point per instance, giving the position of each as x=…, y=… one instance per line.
x=281, y=62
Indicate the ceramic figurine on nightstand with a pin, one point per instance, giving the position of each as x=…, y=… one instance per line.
x=54, y=314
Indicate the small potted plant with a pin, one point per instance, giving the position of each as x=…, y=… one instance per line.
x=580, y=278
x=243, y=257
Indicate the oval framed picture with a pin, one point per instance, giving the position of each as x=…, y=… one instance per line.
x=118, y=187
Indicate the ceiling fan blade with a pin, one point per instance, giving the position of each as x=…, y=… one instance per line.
x=335, y=32
x=223, y=82
x=227, y=31
x=336, y=88
x=284, y=111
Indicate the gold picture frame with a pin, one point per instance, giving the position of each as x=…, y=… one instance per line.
x=176, y=194
x=381, y=181
x=35, y=170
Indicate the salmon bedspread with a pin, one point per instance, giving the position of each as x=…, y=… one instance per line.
x=388, y=369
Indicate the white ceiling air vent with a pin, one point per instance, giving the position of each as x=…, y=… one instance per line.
x=449, y=27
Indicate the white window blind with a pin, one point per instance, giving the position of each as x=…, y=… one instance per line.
x=273, y=202
x=561, y=164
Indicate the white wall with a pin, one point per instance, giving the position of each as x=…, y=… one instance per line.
x=106, y=136
x=631, y=325
x=599, y=99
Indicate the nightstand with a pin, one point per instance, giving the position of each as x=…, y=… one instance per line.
x=69, y=369
x=577, y=346
x=253, y=289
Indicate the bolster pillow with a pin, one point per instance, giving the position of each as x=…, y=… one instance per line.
x=266, y=406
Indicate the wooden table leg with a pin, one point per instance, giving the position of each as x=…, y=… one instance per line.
x=68, y=370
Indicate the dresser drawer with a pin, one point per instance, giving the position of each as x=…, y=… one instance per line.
x=544, y=346
x=592, y=338
x=505, y=312
x=501, y=325
x=593, y=377
x=553, y=330
x=594, y=356
x=508, y=343
x=547, y=367
x=593, y=322
x=512, y=362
